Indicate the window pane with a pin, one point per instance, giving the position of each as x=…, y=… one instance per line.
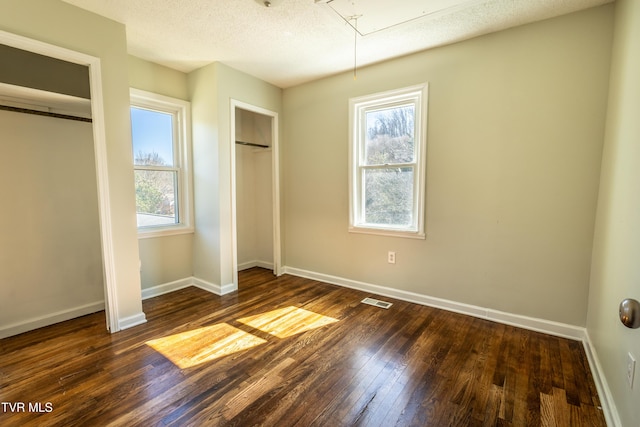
x=390, y=135
x=155, y=197
x=389, y=196
x=152, y=135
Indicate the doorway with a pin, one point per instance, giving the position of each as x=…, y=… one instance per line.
x=255, y=189
x=101, y=190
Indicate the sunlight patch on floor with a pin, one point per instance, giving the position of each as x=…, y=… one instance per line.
x=287, y=321
x=191, y=348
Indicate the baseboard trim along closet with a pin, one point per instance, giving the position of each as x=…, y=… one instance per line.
x=50, y=319
x=539, y=325
x=214, y=288
x=131, y=321
x=165, y=288
x=256, y=263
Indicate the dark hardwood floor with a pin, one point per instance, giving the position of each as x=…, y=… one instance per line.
x=293, y=352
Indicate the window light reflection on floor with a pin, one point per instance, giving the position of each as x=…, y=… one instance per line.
x=191, y=348
x=287, y=321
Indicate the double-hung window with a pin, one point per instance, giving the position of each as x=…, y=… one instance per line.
x=388, y=162
x=161, y=153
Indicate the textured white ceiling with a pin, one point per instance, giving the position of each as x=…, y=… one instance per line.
x=295, y=41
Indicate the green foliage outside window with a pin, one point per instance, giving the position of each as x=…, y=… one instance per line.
x=155, y=189
x=388, y=186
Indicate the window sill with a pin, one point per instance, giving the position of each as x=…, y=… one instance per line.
x=389, y=233
x=163, y=232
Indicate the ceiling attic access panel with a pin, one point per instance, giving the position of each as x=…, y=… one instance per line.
x=367, y=17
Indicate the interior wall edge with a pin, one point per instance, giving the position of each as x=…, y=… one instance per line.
x=604, y=391
x=131, y=321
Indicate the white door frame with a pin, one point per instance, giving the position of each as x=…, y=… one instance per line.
x=100, y=149
x=275, y=177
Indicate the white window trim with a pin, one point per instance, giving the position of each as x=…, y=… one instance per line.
x=357, y=106
x=182, y=110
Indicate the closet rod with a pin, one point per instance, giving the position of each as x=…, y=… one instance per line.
x=44, y=113
x=252, y=144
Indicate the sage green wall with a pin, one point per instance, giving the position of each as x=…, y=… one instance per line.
x=203, y=88
x=515, y=131
x=61, y=24
x=616, y=254
x=168, y=258
x=211, y=89
x=152, y=77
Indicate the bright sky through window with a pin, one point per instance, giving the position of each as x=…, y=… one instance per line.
x=152, y=131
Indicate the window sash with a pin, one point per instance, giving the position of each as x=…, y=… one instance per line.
x=398, y=201
x=362, y=125
x=359, y=108
x=157, y=168
x=175, y=133
x=159, y=202
x=182, y=219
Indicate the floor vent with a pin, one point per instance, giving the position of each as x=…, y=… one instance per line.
x=377, y=303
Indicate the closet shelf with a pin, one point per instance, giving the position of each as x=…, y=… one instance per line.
x=252, y=144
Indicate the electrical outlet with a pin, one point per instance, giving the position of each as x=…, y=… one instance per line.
x=391, y=257
x=631, y=369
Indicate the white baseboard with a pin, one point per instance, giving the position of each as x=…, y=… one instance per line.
x=165, y=288
x=255, y=263
x=212, y=287
x=50, y=319
x=604, y=392
x=531, y=323
x=539, y=325
x=124, y=323
x=228, y=288
x=131, y=321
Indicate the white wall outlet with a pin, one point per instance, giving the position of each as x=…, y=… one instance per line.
x=391, y=257
x=631, y=368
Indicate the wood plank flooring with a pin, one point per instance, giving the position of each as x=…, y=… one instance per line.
x=290, y=351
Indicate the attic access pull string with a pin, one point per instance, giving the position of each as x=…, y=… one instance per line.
x=355, y=44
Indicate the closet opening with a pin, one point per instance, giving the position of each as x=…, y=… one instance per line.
x=55, y=251
x=255, y=188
